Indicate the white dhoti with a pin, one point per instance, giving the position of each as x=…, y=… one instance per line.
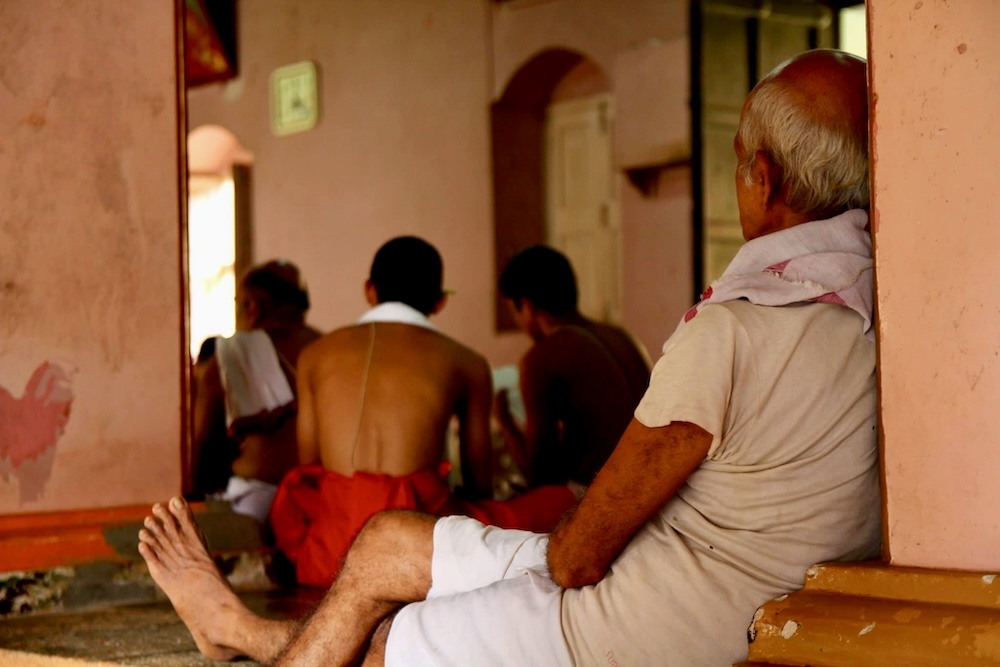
x=251, y=497
x=491, y=602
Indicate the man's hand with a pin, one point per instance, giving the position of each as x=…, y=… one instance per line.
x=646, y=469
x=501, y=408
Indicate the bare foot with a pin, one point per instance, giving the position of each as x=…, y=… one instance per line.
x=180, y=564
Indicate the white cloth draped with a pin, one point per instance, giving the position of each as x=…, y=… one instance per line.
x=396, y=311
x=826, y=261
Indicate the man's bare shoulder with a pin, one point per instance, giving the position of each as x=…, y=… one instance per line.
x=463, y=355
x=402, y=341
x=564, y=343
x=331, y=340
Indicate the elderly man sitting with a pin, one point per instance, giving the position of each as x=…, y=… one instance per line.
x=751, y=457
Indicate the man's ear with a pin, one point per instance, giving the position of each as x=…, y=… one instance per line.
x=442, y=302
x=252, y=311
x=371, y=294
x=766, y=175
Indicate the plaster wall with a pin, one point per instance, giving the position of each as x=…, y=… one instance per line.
x=90, y=308
x=653, y=131
x=401, y=147
x=934, y=80
x=602, y=30
x=643, y=47
x=403, y=141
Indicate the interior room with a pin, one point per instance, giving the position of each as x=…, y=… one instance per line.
x=154, y=151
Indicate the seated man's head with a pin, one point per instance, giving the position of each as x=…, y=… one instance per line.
x=539, y=279
x=409, y=270
x=270, y=293
x=802, y=143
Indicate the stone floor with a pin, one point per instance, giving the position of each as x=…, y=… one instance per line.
x=148, y=635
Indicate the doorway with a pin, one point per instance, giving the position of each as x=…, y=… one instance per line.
x=553, y=175
x=219, y=231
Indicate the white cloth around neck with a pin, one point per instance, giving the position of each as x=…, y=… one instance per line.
x=396, y=311
x=826, y=261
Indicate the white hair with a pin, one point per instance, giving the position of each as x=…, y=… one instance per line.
x=824, y=163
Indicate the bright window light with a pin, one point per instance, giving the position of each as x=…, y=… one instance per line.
x=211, y=258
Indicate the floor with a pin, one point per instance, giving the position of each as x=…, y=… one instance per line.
x=149, y=634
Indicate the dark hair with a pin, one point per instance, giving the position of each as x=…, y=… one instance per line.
x=207, y=350
x=280, y=282
x=543, y=276
x=408, y=269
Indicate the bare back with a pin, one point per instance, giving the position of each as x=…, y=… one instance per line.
x=630, y=356
x=264, y=455
x=379, y=398
x=580, y=385
x=268, y=455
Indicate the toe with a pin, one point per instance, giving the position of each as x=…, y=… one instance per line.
x=168, y=524
x=186, y=523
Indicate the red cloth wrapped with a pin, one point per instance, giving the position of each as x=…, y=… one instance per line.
x=317, y=513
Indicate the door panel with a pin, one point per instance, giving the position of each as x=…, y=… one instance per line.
x=583, y=219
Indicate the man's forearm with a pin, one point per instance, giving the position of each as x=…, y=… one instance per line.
x=642, y=474
x=581, y=550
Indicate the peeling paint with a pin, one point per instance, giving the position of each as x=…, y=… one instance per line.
x=865, y=630
x=782, y=598
x=988, y=578
x=946, y=621
x=31, y=426
x=752, y=628
x=789, y=629
x=812, y=572
x=986, y=644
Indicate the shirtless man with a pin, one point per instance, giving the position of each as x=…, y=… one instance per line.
x=272, y=298
x=376, y=400
x=752, y=456
x=580, y=381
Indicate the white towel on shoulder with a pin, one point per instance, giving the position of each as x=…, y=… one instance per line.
x=252, y=378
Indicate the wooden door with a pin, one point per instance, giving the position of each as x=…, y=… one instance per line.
x=583, y=210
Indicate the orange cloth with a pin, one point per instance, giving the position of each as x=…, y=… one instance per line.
x=317, y=513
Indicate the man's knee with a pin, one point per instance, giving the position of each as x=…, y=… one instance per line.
x=400, y=540
x=395, y=524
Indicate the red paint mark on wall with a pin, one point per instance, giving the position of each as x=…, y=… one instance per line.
x=30, y=428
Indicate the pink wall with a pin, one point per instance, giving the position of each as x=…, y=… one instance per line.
x=402, y=145
x=602, y=30
x=90, y=331
x=653, y=128
x=935, y=83
x=642, y=45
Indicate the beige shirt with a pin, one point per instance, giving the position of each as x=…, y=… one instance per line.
x=791, y=479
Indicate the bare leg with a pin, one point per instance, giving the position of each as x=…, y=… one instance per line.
x=222, y=627
x=375, y=657
x=389, y=565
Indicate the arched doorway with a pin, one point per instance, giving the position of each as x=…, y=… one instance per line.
x=553, y=176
